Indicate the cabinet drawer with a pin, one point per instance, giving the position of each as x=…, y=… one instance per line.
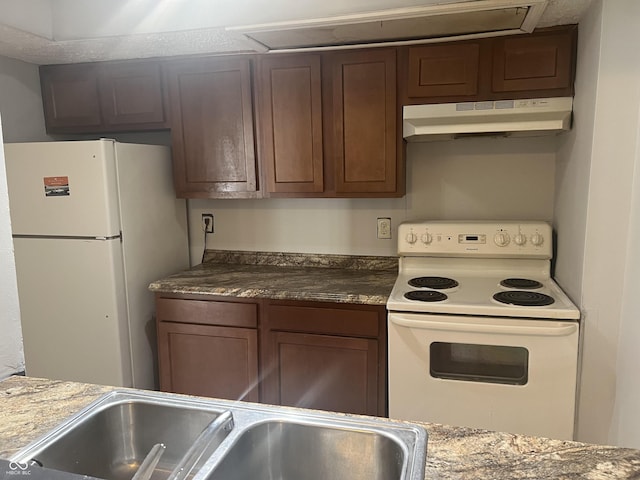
x=208, y=312
x=333, y=321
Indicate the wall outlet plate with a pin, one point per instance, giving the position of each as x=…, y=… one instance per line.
x=384, y=227
x=207, y=222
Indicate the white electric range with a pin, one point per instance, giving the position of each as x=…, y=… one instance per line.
x=480, y=335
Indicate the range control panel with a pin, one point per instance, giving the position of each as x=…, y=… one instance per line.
x=482, y=239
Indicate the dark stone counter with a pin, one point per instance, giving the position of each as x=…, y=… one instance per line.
x=285, y=276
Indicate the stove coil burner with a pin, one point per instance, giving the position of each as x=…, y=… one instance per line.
x=438, y=283
x=425, y=296
x=520, y=283
x=523, y=298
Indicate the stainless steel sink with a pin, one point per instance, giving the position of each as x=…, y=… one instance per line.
x=112, y=438
x=226, y=440
x=296, y=451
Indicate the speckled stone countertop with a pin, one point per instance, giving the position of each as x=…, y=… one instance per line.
x=287, y=276
x=29, y=407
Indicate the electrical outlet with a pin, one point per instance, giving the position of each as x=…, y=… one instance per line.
x=384, y=227
x=207, y=222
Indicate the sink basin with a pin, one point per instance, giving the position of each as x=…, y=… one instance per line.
x=112, y=440
x=117, y=437
x=293, y=451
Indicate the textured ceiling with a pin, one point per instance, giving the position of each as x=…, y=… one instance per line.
x=23, y=45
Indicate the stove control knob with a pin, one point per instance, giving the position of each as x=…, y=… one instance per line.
x=519, y=239
x=411, y=238
x=426, y=238
x=537, y=239
x=501, y=239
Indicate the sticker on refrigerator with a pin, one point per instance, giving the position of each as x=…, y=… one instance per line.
x=56, y=186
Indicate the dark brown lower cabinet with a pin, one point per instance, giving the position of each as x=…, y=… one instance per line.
x=208, y=348
x=326, y=372
x=325, y=356
x=306, y=354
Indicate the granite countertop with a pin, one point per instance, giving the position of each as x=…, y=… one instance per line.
x=286, y=276
x=30, y=407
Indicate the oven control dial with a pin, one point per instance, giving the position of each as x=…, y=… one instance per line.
x=411, y=238
x=519, y=239
x=501, y=239
x=426, y=238
x=537, y=239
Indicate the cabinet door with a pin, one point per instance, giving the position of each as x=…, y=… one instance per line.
x=131, y=94
x=443, y=70
x=212, y=127
x=325, y=372
x=70, y=94
x=290, y=119
x=536, y=62
x=364, y=118
x=219, y=362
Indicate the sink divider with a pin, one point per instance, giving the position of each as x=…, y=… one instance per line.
x=148, y=465
x=208, y=440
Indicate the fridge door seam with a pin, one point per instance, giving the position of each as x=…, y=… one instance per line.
x=68, y=237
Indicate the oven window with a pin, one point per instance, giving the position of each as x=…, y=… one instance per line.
x=479, y=363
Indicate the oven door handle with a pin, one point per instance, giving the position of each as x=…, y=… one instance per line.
x=553, y=329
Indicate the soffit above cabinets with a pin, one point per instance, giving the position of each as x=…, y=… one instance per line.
x=130, y=29
x=402, y=25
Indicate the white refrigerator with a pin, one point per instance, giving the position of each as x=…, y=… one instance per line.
x=93, y=222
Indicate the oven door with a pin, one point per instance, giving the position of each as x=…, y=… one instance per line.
x=506, y=374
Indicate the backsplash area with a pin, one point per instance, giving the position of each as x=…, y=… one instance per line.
x=474, y=178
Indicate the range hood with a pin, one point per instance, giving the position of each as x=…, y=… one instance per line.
x=525, y=117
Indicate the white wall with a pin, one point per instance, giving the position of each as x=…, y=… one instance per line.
x=626, y=426
x=597, y=168
x=463, y=179
x=22, y=117
x=609, y=220
x=21, y=101
x=11, y=352
x=573, y=167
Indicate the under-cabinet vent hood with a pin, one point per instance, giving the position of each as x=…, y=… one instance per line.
x=526, y=117
x=425, y=24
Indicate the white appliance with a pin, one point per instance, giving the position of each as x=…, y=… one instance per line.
x=94, y=222
x=479, y=333
x=523, y=117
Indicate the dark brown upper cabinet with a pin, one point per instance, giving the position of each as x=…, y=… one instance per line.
x=444, y=70
x=540, y=64
x=534, y=62
x=132, y=94
x=212, y=127
x=364, y=114
x=328, y=124
x=290, y=113
x=104, y=97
